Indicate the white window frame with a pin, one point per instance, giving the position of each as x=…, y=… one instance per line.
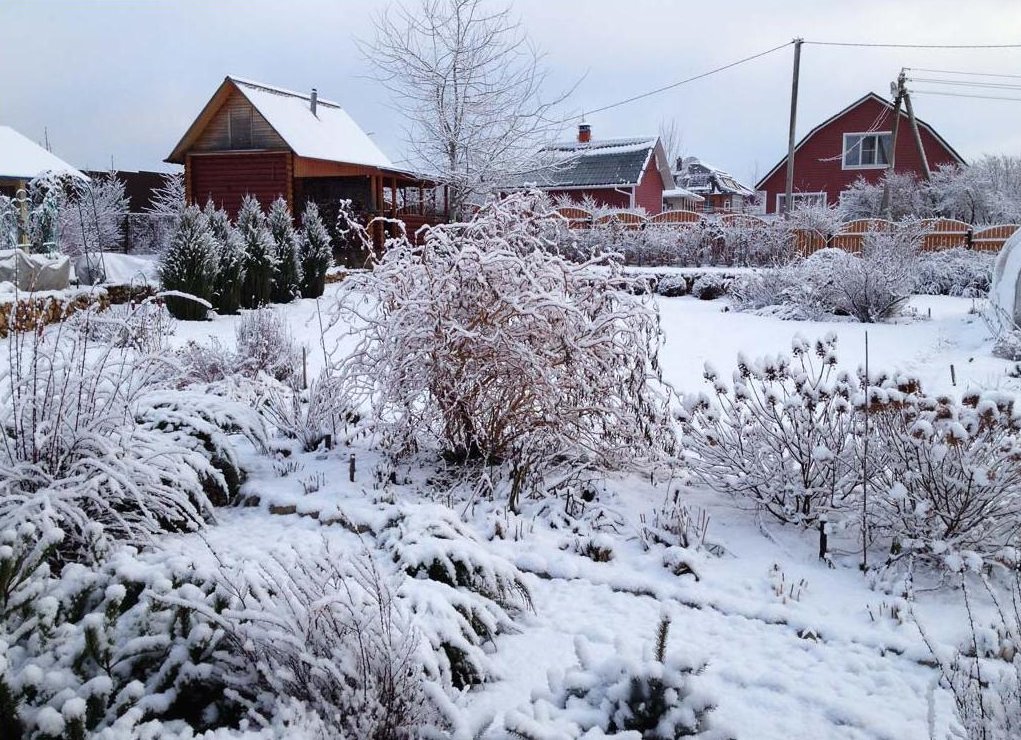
x=796, y=196
x=844, y=150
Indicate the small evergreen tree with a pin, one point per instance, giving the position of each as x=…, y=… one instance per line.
x=315, y=253
x=230, y=261
x=260, y=256
x=188, y=265
x=286, y=276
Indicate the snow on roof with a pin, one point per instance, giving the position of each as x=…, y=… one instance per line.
x=682, y=193
x=23, y=159
x=329, y=134
x=603, y=146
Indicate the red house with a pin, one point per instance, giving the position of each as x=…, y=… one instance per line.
x=257, y=139
x=615, y=173
x=854, y=143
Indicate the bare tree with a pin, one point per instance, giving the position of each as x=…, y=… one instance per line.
x=471, y=86
x=672, y=138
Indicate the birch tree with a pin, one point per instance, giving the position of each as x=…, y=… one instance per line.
x=471, y=87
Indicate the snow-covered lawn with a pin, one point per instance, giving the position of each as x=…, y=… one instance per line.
x=793, y=648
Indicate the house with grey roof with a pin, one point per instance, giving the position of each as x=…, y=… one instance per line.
x=720, y=190
x=615, y=173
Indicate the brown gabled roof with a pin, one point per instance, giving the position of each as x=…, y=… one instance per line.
x=852, y=106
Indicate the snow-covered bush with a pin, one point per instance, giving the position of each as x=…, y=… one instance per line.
x=873, y=287
x=136, y=641
x=652, y=699
x=89, y=440
x=188, y=266
x=309, y=416
x=709, y=287
x=265, y=345
x=782, y=435
x=950, y=476
x=315, y=252
x=260, y=254
x=671, y=286
x=908, y=198
x=145, y=327
x=483, y=342
x=229, y=259
x=955, y=272
x=165, y=206
x=987, y=191
x=286, y=268
x=461, y=595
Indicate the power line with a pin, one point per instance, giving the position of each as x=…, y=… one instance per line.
x=915, y=46
x=968, y=74
x=964, y=95
x=681, y=82
x=967, y=83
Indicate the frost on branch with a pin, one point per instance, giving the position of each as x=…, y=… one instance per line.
x=484, y=343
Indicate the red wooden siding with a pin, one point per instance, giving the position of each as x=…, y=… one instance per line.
x=649, y=193
x=227, y=178
x=606, y=197
x=818, y=163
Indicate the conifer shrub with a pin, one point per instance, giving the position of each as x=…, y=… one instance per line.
x=260, y=254
x=315, y=252
x=286, y=276
x=188, y=266
x=230, y=261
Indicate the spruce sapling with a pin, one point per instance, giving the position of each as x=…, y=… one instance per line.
x=188, y=266
x=260, y=255
x=230, y=261
x=286, y=277
x=315, y=253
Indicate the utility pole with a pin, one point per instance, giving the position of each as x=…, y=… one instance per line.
x=789, y=189
x=918, y=137
x=898, y=91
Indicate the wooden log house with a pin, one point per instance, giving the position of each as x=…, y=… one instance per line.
x=265, y=141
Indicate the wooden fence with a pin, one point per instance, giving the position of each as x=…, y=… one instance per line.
x=940, y=233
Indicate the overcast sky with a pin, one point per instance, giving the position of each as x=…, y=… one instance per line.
x=123, y=80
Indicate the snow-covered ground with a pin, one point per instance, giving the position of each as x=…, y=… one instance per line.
x=793, y=648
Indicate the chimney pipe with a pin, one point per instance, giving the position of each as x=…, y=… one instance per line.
x=584, y=133
x=313, y=100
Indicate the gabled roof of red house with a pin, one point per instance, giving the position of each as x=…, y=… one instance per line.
x=328, y=134
x=864, y=98
x=606, y=163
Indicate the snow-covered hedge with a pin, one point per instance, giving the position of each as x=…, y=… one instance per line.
x=484, y=343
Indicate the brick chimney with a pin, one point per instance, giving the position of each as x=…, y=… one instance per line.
x=584, y=133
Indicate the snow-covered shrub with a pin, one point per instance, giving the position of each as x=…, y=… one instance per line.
x=461, y=594
x=229, y=257
x=801, y=290
x=873, y=287
x=955, y=272
x=132, y=641
x=950, y=476
x=309, y=416
x=188, y=267
x=286, y=268
x=908, y=198
x=781, y=435
x=652, y=699
x=1008, y=344
x=89, y=440
x=165, y=206
x=671, y=286
x=315, y=252
x=709, y=287
x=331, y=632
x=145, y=327
x=484, y=342
x=260, y=254
x=265, y=345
